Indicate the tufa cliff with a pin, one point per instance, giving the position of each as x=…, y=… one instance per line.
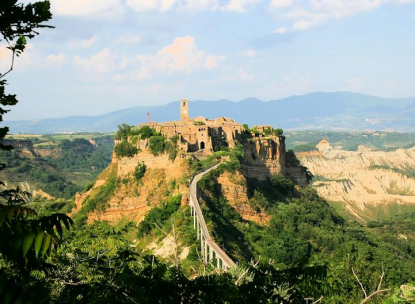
x=171, y=153
x=367, y=184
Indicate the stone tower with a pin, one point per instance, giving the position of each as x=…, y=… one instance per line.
x=184, y=110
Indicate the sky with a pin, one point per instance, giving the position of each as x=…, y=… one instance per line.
x=107, y=55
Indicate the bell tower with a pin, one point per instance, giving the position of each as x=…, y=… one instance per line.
x=184, y=110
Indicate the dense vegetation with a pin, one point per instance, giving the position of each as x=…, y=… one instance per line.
x=71, y=162
x=309, y=253
x=304, y=226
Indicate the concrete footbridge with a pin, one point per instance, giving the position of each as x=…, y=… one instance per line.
x=209, y=249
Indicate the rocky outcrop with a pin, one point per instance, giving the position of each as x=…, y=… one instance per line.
x=132, y=199
x=55, y=152
x=264, y=156
x=234, y=189
x=369, y=184
x=22, y=146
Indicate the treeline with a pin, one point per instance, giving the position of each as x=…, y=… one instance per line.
x=64, y=174
x=158, y=144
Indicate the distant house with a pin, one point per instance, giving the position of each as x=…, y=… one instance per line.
x=323, y=145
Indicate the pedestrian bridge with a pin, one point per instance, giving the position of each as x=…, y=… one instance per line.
x=209, y=249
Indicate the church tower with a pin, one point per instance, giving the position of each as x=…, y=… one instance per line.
x=184, y=110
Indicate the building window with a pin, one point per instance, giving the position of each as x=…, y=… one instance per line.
x=184, y=103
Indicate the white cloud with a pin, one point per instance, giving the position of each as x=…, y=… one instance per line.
x=212, y=62
x=102, y=62
x=82, y=44
x=281, y=30
x=240, y=6
x=5, y=59
x=356, y=84
x=248, y=54
x=143, y=5
x=317, y=12
x=245, y=76
x=56, y=58
x=201, y=5
x=280, y=3
x=102, y=9
x=146, y=5
x=166, y=5
x=182, y=56
x=239, y=74
x=129, y=39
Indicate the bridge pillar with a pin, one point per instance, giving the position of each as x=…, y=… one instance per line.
x=198, y=228
x=210, y=254
x=206, y=253
x=217, y=261
x=202, y=248
x=194, y=220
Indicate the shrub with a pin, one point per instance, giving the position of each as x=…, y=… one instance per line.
x=123, y=131
x=88, y=186
x=281, y=184
x=125, y=149
x=147, y=132
x=157, y=145
x=278, y=132
x=140, y=170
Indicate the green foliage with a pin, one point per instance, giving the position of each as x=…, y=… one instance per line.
x=158, y=215
x=122, y=132
x=282, y=185
x=146, y=132
x=125, y=149
x=198, y=123
x=306, y=140
x=44, y=206
x=278, y=132
x=157, y=145
x=98, y=200
x=62, y=174
x=172, y=148
x=89, y=186
x=139, y=170
x=125, y=131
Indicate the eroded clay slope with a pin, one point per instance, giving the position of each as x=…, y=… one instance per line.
x=369, y=184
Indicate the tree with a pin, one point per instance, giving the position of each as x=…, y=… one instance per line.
x=278, y=132
x=157, y=145
x=24, y=237
x=140, y=170
x=122, y=132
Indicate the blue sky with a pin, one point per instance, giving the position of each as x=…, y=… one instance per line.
x=105, y=55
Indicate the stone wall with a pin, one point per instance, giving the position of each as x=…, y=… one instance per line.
x=264, y=156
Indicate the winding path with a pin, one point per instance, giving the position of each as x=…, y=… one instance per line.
x=210, y=250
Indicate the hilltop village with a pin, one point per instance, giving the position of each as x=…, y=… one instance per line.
x=194, y=139
x=200, y=133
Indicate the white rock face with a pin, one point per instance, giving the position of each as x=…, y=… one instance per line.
x=364, y=178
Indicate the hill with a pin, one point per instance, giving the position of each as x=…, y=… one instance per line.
x=55, y=165
x=331, y=111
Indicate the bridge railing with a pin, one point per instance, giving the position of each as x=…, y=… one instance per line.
x=213, y=246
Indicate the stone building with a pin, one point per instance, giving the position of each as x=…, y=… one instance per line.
x=323, y=145
x=199, y=133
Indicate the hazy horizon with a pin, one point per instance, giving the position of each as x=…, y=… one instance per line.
x=105, y=55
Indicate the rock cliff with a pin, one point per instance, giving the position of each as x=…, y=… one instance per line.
x=368, y=184
x=163, y=177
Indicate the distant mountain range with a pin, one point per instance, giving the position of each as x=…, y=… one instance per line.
x=328, y=111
